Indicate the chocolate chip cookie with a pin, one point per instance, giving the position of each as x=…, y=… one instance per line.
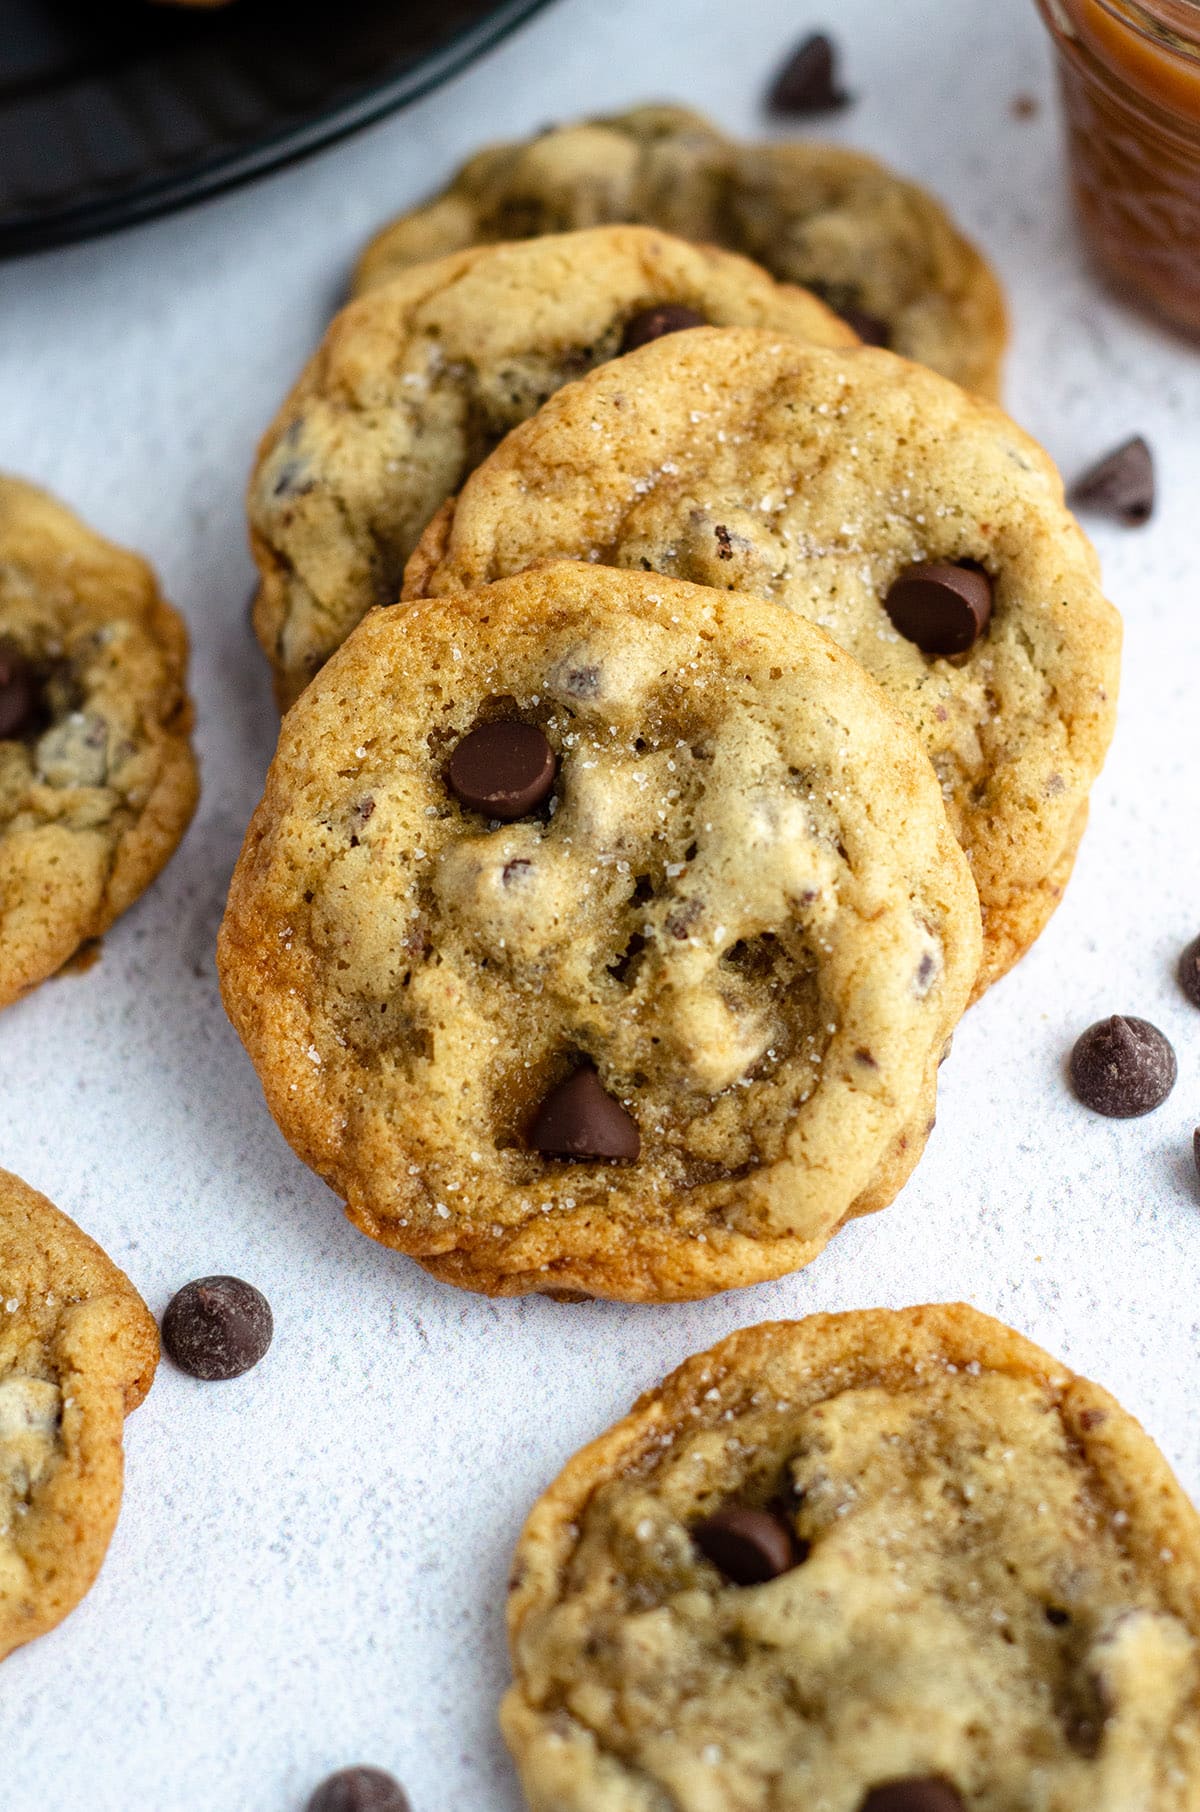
x=599, y=933
x=414, y=384
x=887, y=1561
x=78, y=1349
x=97, y=779
x=878, y=249
x=916, y=524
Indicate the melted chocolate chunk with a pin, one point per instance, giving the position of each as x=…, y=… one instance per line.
x=18, y=692
x=748, y=1546
x=652, y=323
x=928, y=1793
x=943, y=608
x=581, y=1122
x=504, y=769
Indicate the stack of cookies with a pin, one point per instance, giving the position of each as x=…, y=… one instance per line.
x=693, y=690
x=704, y=712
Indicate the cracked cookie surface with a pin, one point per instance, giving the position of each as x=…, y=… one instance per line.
x=78, y=1349
x=97, y=778
x=741, y=903
x=996, y=1585
x=416, y=383
x=815, y=479
x=823, y=216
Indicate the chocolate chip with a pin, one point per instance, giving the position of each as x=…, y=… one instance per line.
x=871, y=329
x=217, y=1327
x=943, y=608
x=1189, y=972
x=652, y=323
x=749, y=1546
x=1196, y=1151
x=359, y=1790
x=502, y=769
x=1122, y=1067
x=724, y=543
x=18, y=692
x=1121, y=484
x=579, y=1120
x=915, y=1794
x=807, y=82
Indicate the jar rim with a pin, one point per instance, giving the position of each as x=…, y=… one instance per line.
x=1169, y=25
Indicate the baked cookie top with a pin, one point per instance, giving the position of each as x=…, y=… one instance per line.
x=820, y=479
x=873, y=245
x=416, y=383
x=78, y=1348
x=97, y=778
x=599, y=933
x=973, y=1569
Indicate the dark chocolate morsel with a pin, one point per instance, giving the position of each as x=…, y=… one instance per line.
x=579, y=1120
x=1121, y=484
x=502, y=769
x=1122, y=1067
x=871, y=329
x=943, y=608
x=808, y=81
x=749, y=1546
x=1196, y=1151
x=18, y=691
x=652, y=323
x=359, y=1790
x=1189, y=972
x=217, y=1327
x=927, y=1793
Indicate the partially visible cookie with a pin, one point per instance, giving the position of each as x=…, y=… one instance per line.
x=78, y=1348
x=417, y=382
x=599, y=933
x=879, y=249
x=862, y=1562
x=874, y=498
x=97, y=778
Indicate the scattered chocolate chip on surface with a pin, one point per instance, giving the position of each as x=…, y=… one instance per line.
x=18, y=692
x=217, y=1327
x=808, y=81
x=360, y=1790
x=748, y=1546
x=1189, y=972
x=1121, y=484
x=503, y=769
x=943, y=607
x=1122, y=1067
x=652, y=323
x=917, y=1794
x=579, y=1120
x=1196, y=1151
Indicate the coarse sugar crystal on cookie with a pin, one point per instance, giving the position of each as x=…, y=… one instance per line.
x=598, y=933
x=880, y=250
x=78, y=1349
x=415, y=383
x=97, y=777
x=883, y=1561
x=916, y=524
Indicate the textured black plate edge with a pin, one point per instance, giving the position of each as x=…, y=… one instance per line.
x=229, y=170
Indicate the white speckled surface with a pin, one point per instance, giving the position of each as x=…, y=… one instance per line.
x=309, y=1568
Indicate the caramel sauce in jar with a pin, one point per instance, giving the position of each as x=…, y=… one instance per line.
x=1130, y=77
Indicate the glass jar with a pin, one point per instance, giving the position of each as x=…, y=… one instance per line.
x=1130, y=78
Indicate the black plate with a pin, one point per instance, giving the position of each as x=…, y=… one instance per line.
x=113, y=110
